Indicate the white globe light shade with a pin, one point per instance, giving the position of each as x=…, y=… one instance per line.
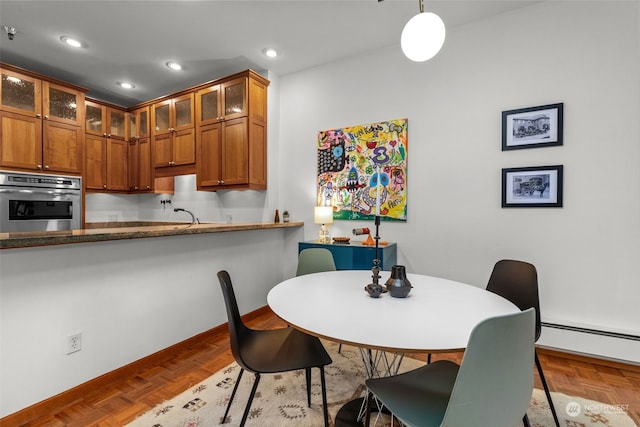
x=422, y=37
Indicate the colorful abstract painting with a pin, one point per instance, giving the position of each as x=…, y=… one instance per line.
x=351, y=162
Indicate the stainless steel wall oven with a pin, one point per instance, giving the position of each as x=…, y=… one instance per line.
x=39, y=202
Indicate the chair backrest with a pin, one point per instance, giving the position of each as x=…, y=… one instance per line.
x=495, y=381
x=237, y=329
x=517, y=281
x=315, y=260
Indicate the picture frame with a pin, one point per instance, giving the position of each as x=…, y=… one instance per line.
x=532, y=187
x=532, y=127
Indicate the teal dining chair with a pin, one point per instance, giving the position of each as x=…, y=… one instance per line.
x=315, y=260
x=490, y=388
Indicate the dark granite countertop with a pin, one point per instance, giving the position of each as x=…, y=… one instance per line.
x=128, y=231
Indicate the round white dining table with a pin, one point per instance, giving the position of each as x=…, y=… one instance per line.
x=438, y=315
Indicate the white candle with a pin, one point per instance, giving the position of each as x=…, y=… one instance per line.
x=378, y=193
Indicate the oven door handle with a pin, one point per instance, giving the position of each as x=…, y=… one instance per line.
x=52, y=192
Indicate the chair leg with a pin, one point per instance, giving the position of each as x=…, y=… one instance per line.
x=307, y=373
x=525, y=421
x=429, y=358
x=367, y=419
x=233, y=394
x=325, y=409
x=340, y=348
x=546, y=390
x=253, y=392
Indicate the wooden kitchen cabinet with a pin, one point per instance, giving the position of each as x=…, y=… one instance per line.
x=41, y=123
x=173, y=136
x=106, y=148
x=223, y=101
x=231, y=134
x=139, y=138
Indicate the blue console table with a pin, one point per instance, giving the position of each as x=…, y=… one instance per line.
x=355, y=256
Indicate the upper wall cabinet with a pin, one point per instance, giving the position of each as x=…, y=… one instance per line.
x=231, y=134
x=106, y=149
x=140, y=173
x=41, y=123
x=239, y=97
x=172, y=136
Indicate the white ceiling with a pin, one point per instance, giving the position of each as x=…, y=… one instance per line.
x=132, y=40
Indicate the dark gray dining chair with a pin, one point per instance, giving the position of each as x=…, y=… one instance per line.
x=270, y=351
x=517, y=281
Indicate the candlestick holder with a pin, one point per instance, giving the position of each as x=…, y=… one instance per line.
x=374, y=288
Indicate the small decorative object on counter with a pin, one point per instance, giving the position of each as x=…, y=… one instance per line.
x=342, y=240
x=285, y=216
x=277, y=217
x=398, y=285
x=360, y=231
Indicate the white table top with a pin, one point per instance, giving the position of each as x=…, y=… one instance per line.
x=438, y=315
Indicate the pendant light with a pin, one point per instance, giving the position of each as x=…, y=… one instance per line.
x=423, y=36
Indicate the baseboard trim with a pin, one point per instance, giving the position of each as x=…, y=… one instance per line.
x=586, y=358
x=68, y=397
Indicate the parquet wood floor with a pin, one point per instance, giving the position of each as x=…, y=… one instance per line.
x=122, y=401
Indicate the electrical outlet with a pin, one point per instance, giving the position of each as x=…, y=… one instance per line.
x=74, y=343
x=229, y=218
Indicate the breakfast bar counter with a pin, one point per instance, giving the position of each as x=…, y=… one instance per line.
x=91, y=234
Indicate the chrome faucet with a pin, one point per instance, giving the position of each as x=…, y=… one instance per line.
x=194, y=220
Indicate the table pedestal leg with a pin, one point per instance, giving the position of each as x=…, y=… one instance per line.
x=377, y=364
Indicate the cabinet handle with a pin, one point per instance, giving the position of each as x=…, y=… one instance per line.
x=39, y=166
x=109, y=136
x=46, y=167
x=148, y=187
x=104, y=186
x=135, y=187
x=38, y=115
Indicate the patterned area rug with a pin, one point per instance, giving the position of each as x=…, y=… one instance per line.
x=281, y=400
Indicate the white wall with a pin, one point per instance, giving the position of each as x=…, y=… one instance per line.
x=584, y=54
x=128, y=298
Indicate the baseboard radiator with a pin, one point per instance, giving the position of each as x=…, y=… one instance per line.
x=592, y=331
x=619, y=346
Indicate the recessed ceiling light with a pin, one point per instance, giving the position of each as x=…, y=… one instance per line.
x=126, y=85
x=72, y=42
x=174, y=65
x=270, y=52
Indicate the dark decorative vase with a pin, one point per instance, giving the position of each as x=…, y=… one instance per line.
x=398, y=285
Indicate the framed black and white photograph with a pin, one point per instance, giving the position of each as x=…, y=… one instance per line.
x=532, y=127
x=532, y=187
